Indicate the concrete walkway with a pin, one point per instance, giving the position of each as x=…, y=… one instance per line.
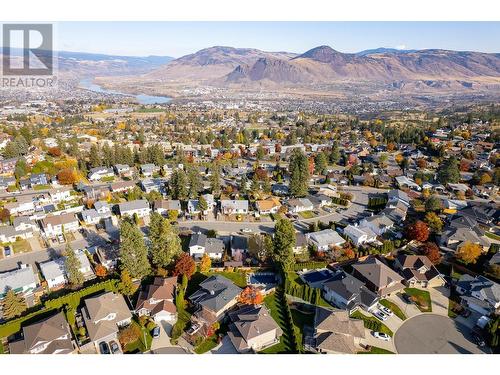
x=410, y=310
x=439, y=300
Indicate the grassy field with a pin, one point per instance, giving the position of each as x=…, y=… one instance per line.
x=372, y=323
x=283, y=345
x=493, y=236
x=422, y=299
x=306, y=214
x=395, y=308
x=21, y=246
x=208, y=344
x=139, y=345
x=239, y=278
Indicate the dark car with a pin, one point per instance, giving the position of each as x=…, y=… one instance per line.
x=104, y=348
x=478, y=340
x=156, y=332
x=114, y=347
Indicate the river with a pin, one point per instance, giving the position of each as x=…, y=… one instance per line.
x=88, y=84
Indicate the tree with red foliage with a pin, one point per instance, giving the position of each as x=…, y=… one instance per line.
x=250, y=296
x=4, y=215
x=54, y=151
x=185, y=265
x=418, y=231
x=101, y=271
x=431, y=251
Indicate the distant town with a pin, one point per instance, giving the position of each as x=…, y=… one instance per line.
x=230, y=227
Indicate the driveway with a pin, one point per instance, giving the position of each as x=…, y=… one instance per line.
x=373, y=341
x=162, y=344
x=434, y=334
x=410, y=310
x=225, y=347
x=439, y=300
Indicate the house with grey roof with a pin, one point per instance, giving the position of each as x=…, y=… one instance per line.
x=335, y=333
x=325, y=239
x=22, y=280
x=253, y=329
x=163, y=206
x=378, y=224
x=139, y=207
x=346, y=292
x=479, y=294
x=299, y=205
x=234, y=207
x=49, y=336
x=378, y=277
x=215, y=296
x=55, y=274
x=200, y=244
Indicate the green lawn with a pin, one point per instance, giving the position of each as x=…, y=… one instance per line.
x=395, y=308
x=239, y=278
x=301, y=319
x=493, y=236
x=41, y=187
x=21, y=246
x=376, y=350
x=422, y=299
x=139, y=345
x=208, y=344
x=183, y=318
x=372, y=323
x=306, y=214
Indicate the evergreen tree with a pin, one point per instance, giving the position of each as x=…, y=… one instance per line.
x=320, y=163
x=202, y=204
x=195, y=183
x=133, y=251
x=73, y=265
x=299, y=173
x=448, y=171
x=165, y=243
x=215, y=183
x=243, y=184
x=283, y=243
x=13, y=305
x=178, y=185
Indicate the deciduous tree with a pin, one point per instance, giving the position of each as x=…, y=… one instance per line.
x=431, y=251
x=418, y=231
x=250, y=296
x=469, y=252
x=185, y=265
x=205, y=263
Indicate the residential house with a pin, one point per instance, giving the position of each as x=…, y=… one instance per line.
x=234, y=207
x=148, y=170
x=239, y=246
x=325, y=239
x=360, y=235
x=49, y=336
x=253, y=329
x=299, y=205
x=300, y=243
x=344, y=291
x=104, y=315
x=55, y=274
x=268, y=206
x=22, y=280
x=138, y=207
x=55, y=225
x=60, y=195
x=335, y=332
x=157, y=300
x=418, y=270
x=479, y=294
x=200, y=244
x=378, y=224
x=163, y=206
x=122, y=186
x=378, y=277
x=123, y=170
x=98, y=173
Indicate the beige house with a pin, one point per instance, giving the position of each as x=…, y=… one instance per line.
x=104, y=315
x=253, y=329
x=50, y=336
x=418, y=270
x=157, y=301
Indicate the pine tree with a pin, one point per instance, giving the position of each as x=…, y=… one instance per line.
x=299, y=173
x=195, y=183
x=165, y=243
x=215, y=183
x=73, y=265
x=13, y=305
x=283, y=243
x=133, y=251
x=179, y=185
x=202, y=204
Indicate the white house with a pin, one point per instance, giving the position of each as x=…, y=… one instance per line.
x=139, y=207
x=300, y=205
x=378, y=224
x=324, y=239
x=54, y=271
x=234, y=207
x=22, y=280
x=58, y=224
x=60, y=195
x=95, y=174
x=359, y=235
x=200, y=244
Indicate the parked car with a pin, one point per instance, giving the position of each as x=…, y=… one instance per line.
x=156, y=332
x=7, y=251
x=328, y=209
x=380, y=315
x=114, y=347
x=478, y=339
x=385, y=310
x=246, y=230
x=60, y=238
x=195, y=327
x=382, y=336
x=104, y=347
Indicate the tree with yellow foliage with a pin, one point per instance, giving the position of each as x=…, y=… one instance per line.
x=469, y=252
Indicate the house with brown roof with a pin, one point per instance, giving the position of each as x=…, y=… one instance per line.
x=49, y=336
x=58, y=224
x=253, y=329
x=335, y=332
x=268, y=206
x=104, y=315
x=378, y=277
x=418, y=270
x=157, y=300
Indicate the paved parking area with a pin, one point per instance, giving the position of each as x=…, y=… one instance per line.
x=434, y=334
x=225, y=347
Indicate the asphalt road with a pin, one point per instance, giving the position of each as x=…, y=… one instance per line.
x=434, y=334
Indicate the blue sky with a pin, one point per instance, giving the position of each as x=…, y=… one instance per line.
x=180, y=38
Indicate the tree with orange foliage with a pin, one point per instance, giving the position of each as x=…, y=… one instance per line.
x=129, y=334
x=185, y=265
x=431, y=251
x=100, y=271
x=250, y=296
x=418, y=231
x=67, y=176
x=205, y=263
x=54, y=151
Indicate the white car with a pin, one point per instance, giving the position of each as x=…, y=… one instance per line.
x=380, y=315
x=246, y=230
x=385, y=310
x=382, y=336
x=60, y=238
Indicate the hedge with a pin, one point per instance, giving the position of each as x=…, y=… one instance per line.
x=309, y=265
x=72, y=300
x=304, y=291
x=340, y=201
